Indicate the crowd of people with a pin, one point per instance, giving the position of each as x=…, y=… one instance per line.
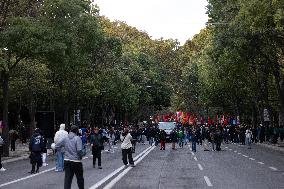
x=70, y=147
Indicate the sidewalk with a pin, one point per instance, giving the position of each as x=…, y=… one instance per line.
x=21, y=153
x=278, y=147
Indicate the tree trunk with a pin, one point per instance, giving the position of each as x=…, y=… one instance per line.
x=32, y=114
x=281, y=95
x=66, y=116
x=5, y=89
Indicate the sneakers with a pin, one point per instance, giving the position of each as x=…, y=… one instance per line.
x=100, y=167
x=2, y=169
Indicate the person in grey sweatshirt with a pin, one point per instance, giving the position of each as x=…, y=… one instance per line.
x=73, y=158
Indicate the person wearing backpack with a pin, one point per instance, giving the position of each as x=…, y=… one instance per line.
x=73, y=158
x=97, y=146
x=1, y=151
x=36, y=146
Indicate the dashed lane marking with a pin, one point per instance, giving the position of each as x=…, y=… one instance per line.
x=226, y=147
x=192, y=153
x=245, y=156
x=195, y=158
x=273, y=168
x=200, y=167
x=208, y=182
x=230, y=149
x=261, y=163
x=239, y=153
x=235, y=151
x=252, y=159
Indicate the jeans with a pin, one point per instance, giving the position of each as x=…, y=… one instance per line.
x=151, y=141
x=213, y=145
x=127, y=153
x=72, y=168
x=193, y=146
x=59, y=161
x=248, y=142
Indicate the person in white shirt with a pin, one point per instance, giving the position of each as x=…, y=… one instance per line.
x=126, y=146
x=248, y=137
x=59, y=136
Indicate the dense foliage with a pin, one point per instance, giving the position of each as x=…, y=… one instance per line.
x=61, y=55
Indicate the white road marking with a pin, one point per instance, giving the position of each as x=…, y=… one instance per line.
x=192, y=153
x=230, y=149
x=235, y=151
x=25, y=178
x=273, y=168
x=261, y=163
x=226, y=147
x=245, y=156
x=98, y=184
x=207, y=181
x=118, y=177
x=252, y=159
x=239, y=153
x=200, y=167
x=195, y=158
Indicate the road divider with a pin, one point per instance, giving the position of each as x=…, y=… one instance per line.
x=101, y=182
x=122, y=174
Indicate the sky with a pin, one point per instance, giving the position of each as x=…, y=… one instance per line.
x=176, y=19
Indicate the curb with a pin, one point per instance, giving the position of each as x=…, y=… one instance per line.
x=26, y=156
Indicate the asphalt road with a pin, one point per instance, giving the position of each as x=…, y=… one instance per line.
x=235, y=167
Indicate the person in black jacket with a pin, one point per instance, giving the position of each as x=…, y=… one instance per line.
x=36, y=148
x=174, y=138
x=162, y=136
x=97, y=146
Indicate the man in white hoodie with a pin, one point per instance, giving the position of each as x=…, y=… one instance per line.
x=126, y=146
x=59, y=136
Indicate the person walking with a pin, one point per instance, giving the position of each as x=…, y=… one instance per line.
x=73, y=158
x=1, y=151
x=13, y=138
x=134, y=140
x=194, y=139
x=162, y=137
x=248, y=135
x=173, y=137
x=126, y=146
x=97, y=146
x=36, y=149
x=44, y=149
x=59, y=136
x=212, y=137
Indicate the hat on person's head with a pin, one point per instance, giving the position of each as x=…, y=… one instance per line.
x=62, y=126
x=74, y=129
x=36, y=130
